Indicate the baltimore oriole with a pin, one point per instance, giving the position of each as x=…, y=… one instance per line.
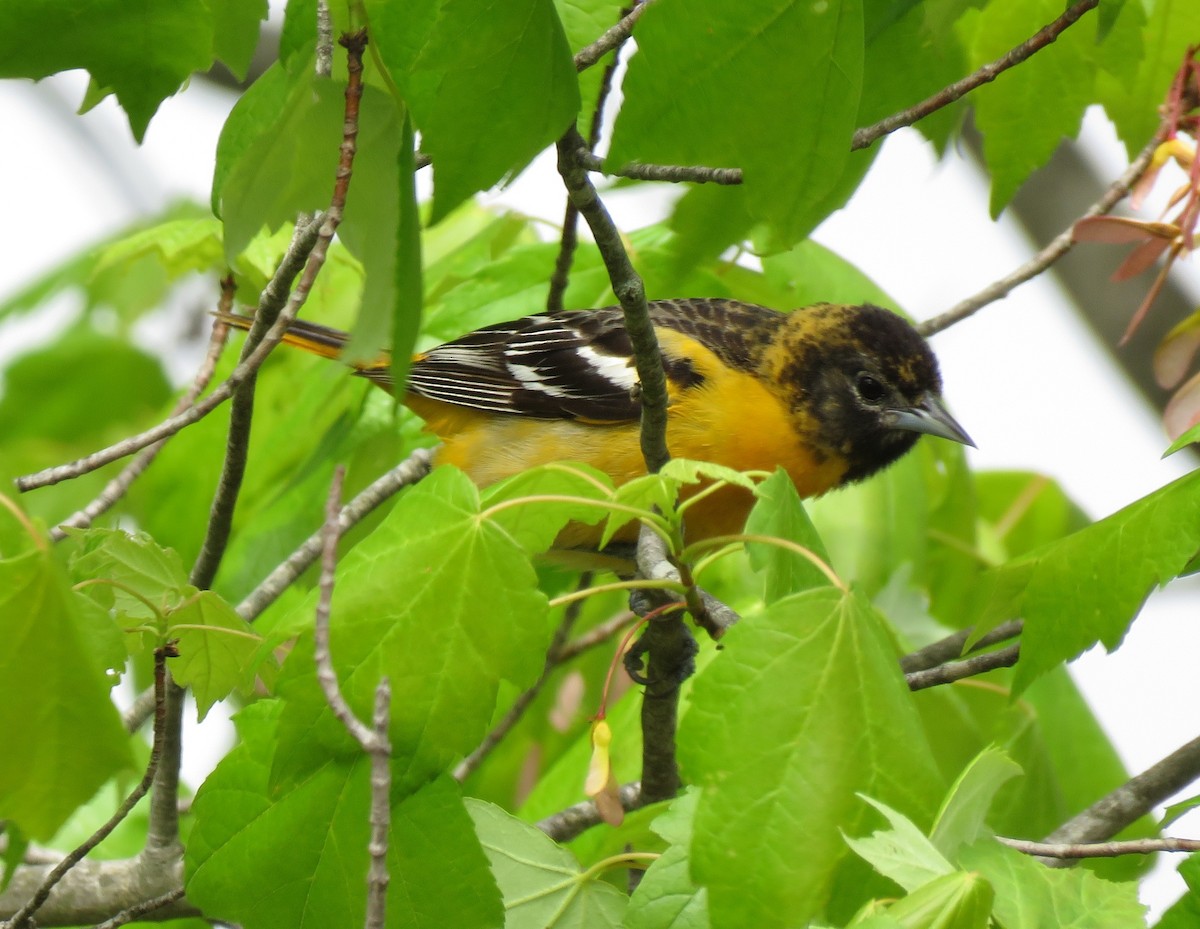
x=831, y=393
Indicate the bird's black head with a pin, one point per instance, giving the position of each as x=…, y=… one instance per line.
x=869, y=385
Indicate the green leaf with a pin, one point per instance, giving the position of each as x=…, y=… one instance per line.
x=1176, y=810
x=716, y=86
x=666, y=894
x=535, y=523
x=235, y=32
x=804, y=709
x=177, y=245
x=445, y=604
x=1132, y=99
x=541, y=881
x=779, y=513
x=1185, y=912
x=952, y=901
x=960, y=821
x=299, y=857
x=408, y=290
x=135, y=562
x=142, y=51
x=903, y=852
x=87, y=388
x=1025, y=510
x=54, y=700
x=1031, y=896
x=216, y=658
x=1088, y=587
x=1188, y=438
x=489, y=85
x=1020, y=132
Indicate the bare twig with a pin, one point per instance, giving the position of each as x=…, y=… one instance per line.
x=612, y=38
x=1059, y=246
x=553, y=659
x=162, y=830
x=409, y=471
x=574, y=820
x=953, y=671
x=951, y=647
x=373, y=738
x=22, y=917
x=1101, y=849
x=597, y=635
x=287, y=269
x=868, y=135
x=324, y=64
x=220, y=521
x=1133, y=799
x=631, y=294
x=695, y=174
x=145, y=908
x=115, y=489
x=570, y=224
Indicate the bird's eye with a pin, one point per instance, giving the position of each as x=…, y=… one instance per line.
x=869, y=388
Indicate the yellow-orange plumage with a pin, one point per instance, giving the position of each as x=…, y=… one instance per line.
x=830, y=393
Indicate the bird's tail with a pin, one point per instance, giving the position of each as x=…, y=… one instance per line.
x=320, y=340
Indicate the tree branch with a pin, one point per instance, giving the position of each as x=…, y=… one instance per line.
x=953, y=671
x=575, y=820
x=140, y=910
x=1133, y=799
x=570, y=224
x=1059, y=246
x=695, y=174
x=193, y=414
x=23, y=915
x=1068, y=852
x=951, y=647
x=409, y=471
x=631, y=294
x=869, y=135
x=115, y=489
x=612, y=38
x=373, y=738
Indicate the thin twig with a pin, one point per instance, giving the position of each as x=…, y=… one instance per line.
x=373, y=738
x=631, y=294
x=868, y=135
x=1058, y=246
x=574, y=820
x=597, y=635
x=612, y=38
x=1101, y=849
x=324, y=64
x=953, y=671
x=115, y=489
x=409, y=471
x=951, y=647
x=23, y=916
x=695, y=174
x=1133, y=799
x=145, y=908
x=237, y=446
x=326, y=676
x=381, y=809
x=553, y=659
x=570, y=225
x=287, y=269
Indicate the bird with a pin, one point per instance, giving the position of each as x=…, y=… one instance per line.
x=832, y=393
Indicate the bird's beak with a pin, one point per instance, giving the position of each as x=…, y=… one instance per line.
x=930, y=417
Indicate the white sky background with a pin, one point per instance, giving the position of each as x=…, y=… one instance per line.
x=1025, y=377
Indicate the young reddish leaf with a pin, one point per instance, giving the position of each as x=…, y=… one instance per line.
x=1183, y=410
x=1174, y=354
